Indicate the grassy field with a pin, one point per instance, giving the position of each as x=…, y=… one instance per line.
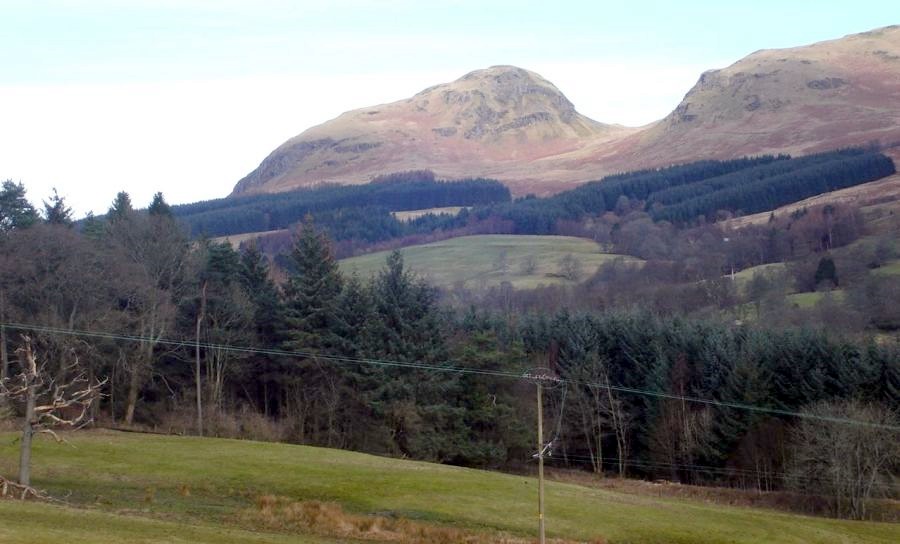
x=409, y=215
x=237, y=239
x=891, y=268
x=808, y=300
x=149, y=488
x=475, y=261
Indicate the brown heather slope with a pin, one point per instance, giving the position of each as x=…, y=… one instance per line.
x=822, y=96
x=513, y=125
x=489, y=122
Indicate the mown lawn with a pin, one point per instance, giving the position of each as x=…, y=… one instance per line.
x=474, y=261
x=201, y=484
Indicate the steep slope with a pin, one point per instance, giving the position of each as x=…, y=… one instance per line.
x=484, y=123
x=514, y=125
x=822, y=96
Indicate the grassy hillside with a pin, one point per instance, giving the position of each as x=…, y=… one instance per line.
x=409, y=215
x=148, y=488
x=237, y=239
x=33, y=523
x=475, y=261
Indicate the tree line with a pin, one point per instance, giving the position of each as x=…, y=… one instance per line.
x=683, y=194
x=359, y=219
x=345, y=211
x=751, y=195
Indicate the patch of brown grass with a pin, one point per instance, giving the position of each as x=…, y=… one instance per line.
x=330, y=519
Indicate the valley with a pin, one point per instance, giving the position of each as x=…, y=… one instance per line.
x=346, y=347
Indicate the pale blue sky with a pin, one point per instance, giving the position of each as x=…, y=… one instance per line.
x=187, y=96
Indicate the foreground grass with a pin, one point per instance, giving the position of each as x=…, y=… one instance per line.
x=205, y=482
x=35, y=523
x=473, y=261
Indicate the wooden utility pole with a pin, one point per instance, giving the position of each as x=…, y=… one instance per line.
x=540, y=444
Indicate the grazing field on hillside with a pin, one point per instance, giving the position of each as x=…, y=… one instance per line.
x=152, y=488
x=488, y=260
x=237, y=239
x=409, y=215
x=889, y=269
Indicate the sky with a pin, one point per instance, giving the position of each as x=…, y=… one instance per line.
x=188, y=96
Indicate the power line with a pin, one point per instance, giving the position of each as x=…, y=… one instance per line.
x=448, y=368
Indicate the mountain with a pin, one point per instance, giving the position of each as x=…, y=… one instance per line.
x=822, y=96
x=514, y=125
x=486, y=123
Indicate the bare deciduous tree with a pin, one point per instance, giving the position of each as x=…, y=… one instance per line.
x=850, y=462
x=48, y=404
x=528, y=265
x=570, y=267
x=600, y=406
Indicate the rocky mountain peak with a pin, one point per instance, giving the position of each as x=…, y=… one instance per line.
x=491, y=102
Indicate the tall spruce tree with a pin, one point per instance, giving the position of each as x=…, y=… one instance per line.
x=15, y=210
x=254, y=278
x=417, y=405
x=312, y=294
x=56, y=212
x=120, y=208
x=92, y=227
x=159, y=206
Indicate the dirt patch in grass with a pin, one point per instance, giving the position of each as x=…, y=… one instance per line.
x=330, y=519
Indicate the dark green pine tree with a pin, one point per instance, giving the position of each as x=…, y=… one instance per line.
x=15, y=210
x=253, y=275
x=417, y=405
x=312, y=295
x=120, y=208
x=885, y=363
x=408, y=327
x=746, y=382
x=222, y=264
x=357, y=313
x=56, y=212
x=92, y=227
x=159, y=206
x=826, y=272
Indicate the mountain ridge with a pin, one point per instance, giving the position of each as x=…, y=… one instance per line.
x=514, y=125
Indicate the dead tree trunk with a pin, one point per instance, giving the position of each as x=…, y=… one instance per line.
x=48, y=404
x=4, y=356
x=131, y=401
x=27, y=431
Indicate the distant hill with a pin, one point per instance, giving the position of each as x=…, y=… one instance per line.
x=827, y=95
x=489, y=120
x=513, y=125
